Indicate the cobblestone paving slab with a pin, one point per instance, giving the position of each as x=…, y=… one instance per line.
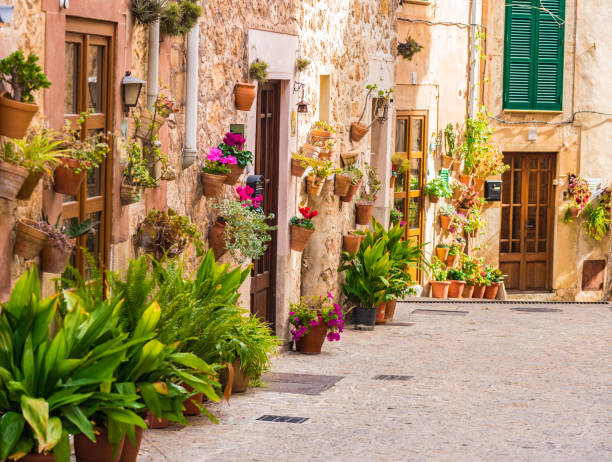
x=496, y=385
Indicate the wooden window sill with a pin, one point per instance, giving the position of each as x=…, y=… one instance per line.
x=416, y=2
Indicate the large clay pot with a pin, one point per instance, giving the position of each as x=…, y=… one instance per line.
x=451, y=260
x=30, y=240
x=465, y=179
x=296, y=168
x=351, y=192
x=468, y=290
x=479, y=290
x=234, y=174
x=447, y=161
x=445, y=222
x=312, y=342
x=364, y=213
x=358, y=131
x=38, y=458
x=212, y=185
x=456, y=289
x=216, y=238
x=53, y=258
x=240, y=383
x=244, y=96
x=365, y=318
x=342, y=184
x=479, y=184
x=155, y=422
x=439, y=289
x=191, y=408
x=381, y=309
x=15, y=117
x=300, y=237
x=390, y=310
x=11, y=179
x=66, y=181
x=349, y=158
x=351, y=243
x=491, y=291
x=101, y=451
x=315, y=185
x=442, y=253
x=29, y=185
x=130, y=451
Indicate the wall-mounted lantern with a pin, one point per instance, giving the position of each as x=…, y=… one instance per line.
x=130, y=90
x=6, y=13
x=302, y=106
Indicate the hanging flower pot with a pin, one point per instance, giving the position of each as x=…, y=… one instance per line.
x=130, y=451
x=351, y=242
x=447, y=161
x=451, y=260
x=456, y=194
x=312, y=342
x=315, y=185
x=29, y=185
x=479, y=184
x=358, y=131
x=390, y=310
x=434, y=199
x=392, y=182
x=234, y=174
x=309, y=150
x=465, y=179
x=479, y=290
x=364, y=213
x=342, y=184
x=297, y=169
x=216, y=238
x=244, y=96
x=147, y=237
x=66, y=181
x=439, y=289
x=15, y=117
x=365, y=318
x=147, y=128
x=101, y=451
x=353, y=188
x=300, y=237
x=212, y=185
x=490, y=292
x=191, y=404
x=240, y=382
x=381, y=309
x=30, y=240
x=155, y=422
x=54, y=259
x=575, y=211
x=445, y=222
x=325, y=155
x=349, y=158
x=129, y=194
x=468, y=290
x=456, y=289
x=11, y=179
x=442, y=253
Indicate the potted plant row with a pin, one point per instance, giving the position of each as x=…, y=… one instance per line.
x=314, y=321
x=302, y=228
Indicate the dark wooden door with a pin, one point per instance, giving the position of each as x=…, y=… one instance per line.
x=526, y=222
x=263, y=284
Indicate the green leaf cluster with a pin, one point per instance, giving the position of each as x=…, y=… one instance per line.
x=438, y=188
x=178, y=17
x=39, y=151
x=24, y=76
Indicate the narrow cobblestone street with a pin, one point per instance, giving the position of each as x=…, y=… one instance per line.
x=492, y=385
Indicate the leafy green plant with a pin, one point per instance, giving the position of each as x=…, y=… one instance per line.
x=324, y=126
x=146, y=11
x=596, y=218
x=373, y=185
x=302, y=64
x=305, y=315
x=477, y=135
x=450, y=138
x=321, y=168
x=172, y=232
x=438, y=188
x=39, y=151
x=233, y=146
x=136, y=170
x=24, y=76
x=454, y=274
x=89, y=153
x=493, y=275
x=474, y=221
x=408, y=48
x=453, y=249
x=178, y=17
x=259, y=71
x=437, y=269
x=353, y=172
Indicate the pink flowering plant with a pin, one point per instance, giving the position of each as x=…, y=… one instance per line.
x=457, y=224
x=233, y=146
x=216, y=162
x=246, y=197
x=305, y=315
x=578, y=190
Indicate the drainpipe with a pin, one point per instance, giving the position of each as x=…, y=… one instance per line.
x=190, y=149
x=153, y=75
x=476, y=18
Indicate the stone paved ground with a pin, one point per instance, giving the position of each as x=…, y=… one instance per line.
x=495, y=385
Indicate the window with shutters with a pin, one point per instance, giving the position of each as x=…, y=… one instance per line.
x=533, y=55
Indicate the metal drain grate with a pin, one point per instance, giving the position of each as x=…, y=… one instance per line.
x=477, y=301
x=447, y=312
x=537, y=310
x=283, y=419
x=400, y=378
x=401, y=324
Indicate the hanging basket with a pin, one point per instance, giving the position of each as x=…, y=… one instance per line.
x=129, y=194
x=244, y=96
x=300, y=237
x=358, y=131
x=234, y=174
x=29, y=185
x=479, y=184
x=66, y=181
x=351, y=242
x=442, y=253
x=216, y=238
x=12, y=178
x=447, y=161
x=53, y=258
x=296, y=168
x=342, y=184
x=445, y=222
x=364, y=213
x=147, y=237
x=465, y=179
x=451, y=260
x=351, y=192
x=147, y=128
x=434, y=199
x=29, y=240
x=15, y=117
x=212, y=185
x=349, y=158
x=315, y=185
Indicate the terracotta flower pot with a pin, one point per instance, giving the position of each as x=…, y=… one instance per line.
x=465, y=179
x=451, y=260
x=234, y=174
x=296, y=168
x=390, y=310
x=315, y=185
x=325, y=155
x=66, y=181
x=351, y=192
x=442, y=253
x=240, y=384
x=392, y=182
x=29, y=185
x=479, y=184
x=439, y=289
x=191, y=408
x=365, y=318
x=351, y=243
x=212, y=185
x=53, y=258
x=490, y=292
x=447, y=161
x=468, y=290
x=147, y=128
x=244, y=96
x=38, y=458
x=364, y=213
x=129, y=194
x=30, y=240
x=349, y=158
x=216, y=238
x=342, y=184
x=575, y=211
x=455, y=289
x=312, y=342
x=358, y=131
x=155, y=422
x=434, y=199
x=456, y=194
x=15, y=117
x=381, y=309
x=101, y=451
x=130, y=451
x=445, y=222
x=479, y=291
x=12, y=178
x=300, y=237
x=320, y=135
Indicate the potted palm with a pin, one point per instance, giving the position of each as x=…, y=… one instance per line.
x=356, y=175
x=233, y=146
x=148, y=123
x=439, y=283
x=436, y=189
x=215, y=171
x=457, y=282
x=365, y=206
x=24, y=77
x=302, y=228
x=313, y=321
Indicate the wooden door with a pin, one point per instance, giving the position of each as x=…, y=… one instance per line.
x=263, y=284
x=408, y=192
x=526, y=222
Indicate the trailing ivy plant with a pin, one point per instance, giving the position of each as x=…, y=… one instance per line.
x=136, y=171
x=409, y=48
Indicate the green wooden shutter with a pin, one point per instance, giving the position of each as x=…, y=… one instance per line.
x=549, y=58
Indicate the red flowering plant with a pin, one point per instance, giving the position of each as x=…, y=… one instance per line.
x=233, y=146
x=246, y=198
x=305, y=315
x=305, y=221
x=469, y=199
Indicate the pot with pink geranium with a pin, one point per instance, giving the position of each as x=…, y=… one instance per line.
x=233, y=146
x=313, y=321
x=215, y=171
x=579, y=193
